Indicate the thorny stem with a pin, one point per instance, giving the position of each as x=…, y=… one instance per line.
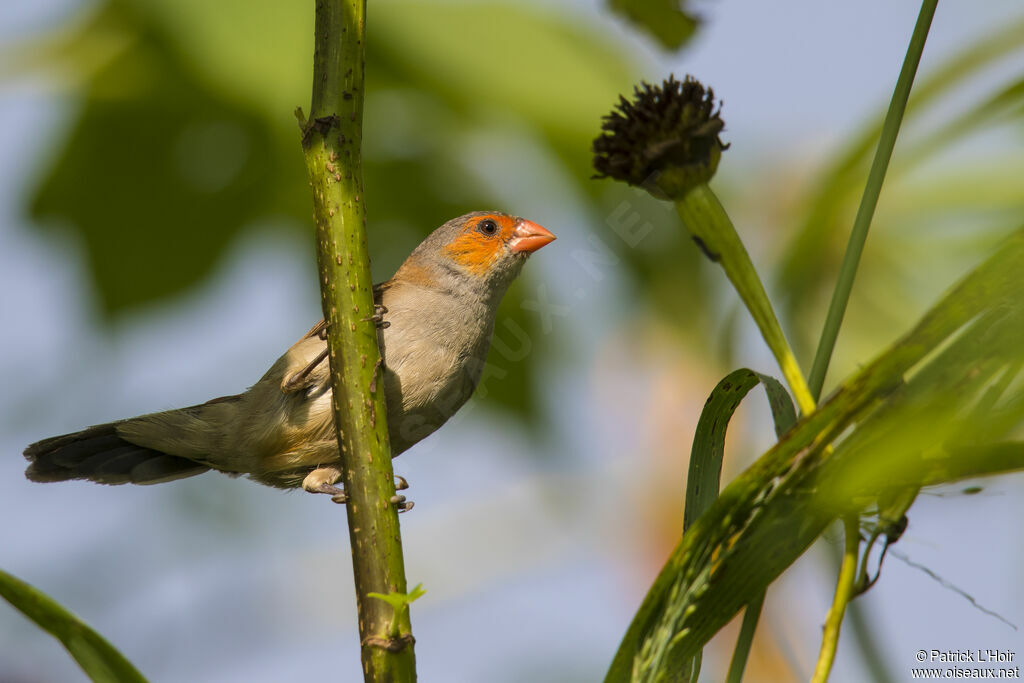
x=331, y=141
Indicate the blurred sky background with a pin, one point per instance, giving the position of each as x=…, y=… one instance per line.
x=546, y=508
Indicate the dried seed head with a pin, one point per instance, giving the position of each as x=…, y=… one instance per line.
x=664, y=140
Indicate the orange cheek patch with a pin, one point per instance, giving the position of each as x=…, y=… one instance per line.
x=473, y=252
x=476, y=252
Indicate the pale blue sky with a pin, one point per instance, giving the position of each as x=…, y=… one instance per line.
x=253, y=584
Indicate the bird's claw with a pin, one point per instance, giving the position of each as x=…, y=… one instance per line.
x=337, y=495
x=398, y=499
x=401, y=503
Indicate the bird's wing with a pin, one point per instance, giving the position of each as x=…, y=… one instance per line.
x=305, y=377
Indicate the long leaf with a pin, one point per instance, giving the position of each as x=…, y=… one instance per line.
x=98, y=658
x=704, y=478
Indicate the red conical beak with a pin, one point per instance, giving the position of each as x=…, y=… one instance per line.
x=530, y=237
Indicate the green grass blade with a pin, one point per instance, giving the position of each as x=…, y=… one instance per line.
x=746, y=638
x=869, y=200
x=98, y=658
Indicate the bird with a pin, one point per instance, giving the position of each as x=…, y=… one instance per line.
x=434, y=317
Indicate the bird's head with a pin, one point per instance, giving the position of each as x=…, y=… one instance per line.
x=482, y=251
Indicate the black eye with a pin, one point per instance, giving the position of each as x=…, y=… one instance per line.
x=487, y=227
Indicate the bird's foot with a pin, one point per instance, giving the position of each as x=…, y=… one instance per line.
x=323, y=480
x=378, y=317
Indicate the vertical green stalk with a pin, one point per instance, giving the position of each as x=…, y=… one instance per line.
x=837, y=309
x=746, y=638
x=331, y=141
x=869, y=200
x=844, y=592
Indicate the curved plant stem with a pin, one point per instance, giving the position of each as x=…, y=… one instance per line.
x=331, y=141
x=844, y=592
x=714, y=232
x=869, y=200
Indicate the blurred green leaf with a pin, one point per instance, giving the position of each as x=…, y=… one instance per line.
x=496, y=60
x=159, y=173
x=905, y=432
x=666, y=20
x=98, y=658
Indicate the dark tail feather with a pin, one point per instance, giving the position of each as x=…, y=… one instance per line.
x=99, y=454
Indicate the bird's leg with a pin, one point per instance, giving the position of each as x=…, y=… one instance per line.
x=373, y=378
x=297, y=381
x=400, y=484
x=323, y=480
x=378, y=319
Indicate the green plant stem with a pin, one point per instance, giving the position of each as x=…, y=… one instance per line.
x=844, y=592
x=331, y=142
x=864, y=635
x=869, y=200
x=714, y=232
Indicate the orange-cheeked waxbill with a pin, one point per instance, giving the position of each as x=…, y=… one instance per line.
x=437, y=316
